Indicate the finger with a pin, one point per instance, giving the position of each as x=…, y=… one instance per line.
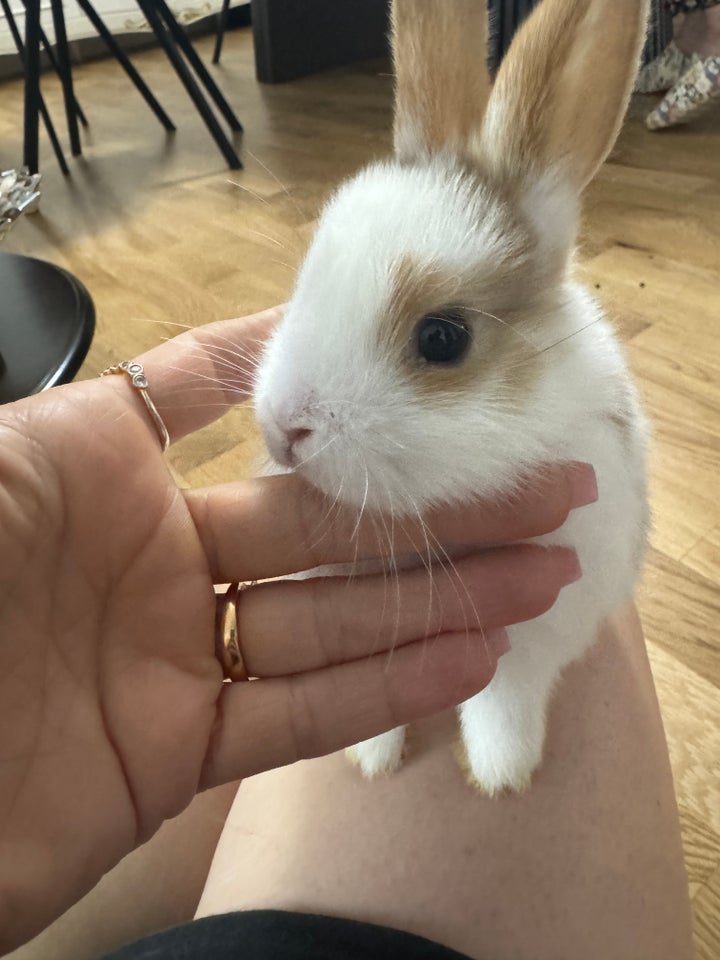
x=269, y=723
x=196, y=377
x=293, y=626
x=275, y=526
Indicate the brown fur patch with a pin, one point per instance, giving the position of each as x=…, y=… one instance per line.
x=500, y=300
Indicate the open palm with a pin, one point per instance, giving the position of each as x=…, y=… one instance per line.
x=108, y=682
x=113, y=711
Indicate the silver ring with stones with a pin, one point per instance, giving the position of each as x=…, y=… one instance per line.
x=138, y=379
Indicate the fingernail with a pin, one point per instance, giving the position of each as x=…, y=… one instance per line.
x=497, y=642
x=583, y=485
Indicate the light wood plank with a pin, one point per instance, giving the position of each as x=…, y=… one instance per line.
x=704, y=557
x=680, y=611
x=691, y=711
x=706, y=926
x=702, y=849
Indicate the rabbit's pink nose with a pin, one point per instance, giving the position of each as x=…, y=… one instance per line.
x=296, y=434
x=287, y=453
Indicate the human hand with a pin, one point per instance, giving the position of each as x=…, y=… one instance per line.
x=113, y=713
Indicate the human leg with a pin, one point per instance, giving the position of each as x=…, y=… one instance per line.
x=696, y=36
x=156, y=886
x=693, y=93
x=587, y=863
x=689, y=68
x=698, y=31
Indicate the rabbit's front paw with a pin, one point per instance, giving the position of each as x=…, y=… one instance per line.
x=381, y=755
x=504, y=762
x=496, y=767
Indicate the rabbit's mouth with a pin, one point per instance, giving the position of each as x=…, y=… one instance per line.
x=360, y=476
x=351, y=450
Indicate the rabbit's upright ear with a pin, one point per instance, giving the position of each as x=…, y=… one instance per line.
x=441, y=75
x=563, y=88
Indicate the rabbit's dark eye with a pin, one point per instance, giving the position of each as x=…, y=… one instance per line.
x=443, y=337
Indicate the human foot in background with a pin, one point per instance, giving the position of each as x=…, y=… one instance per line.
x=695, y=91
x=697, y=43
x=696, y=36
x=665, y=70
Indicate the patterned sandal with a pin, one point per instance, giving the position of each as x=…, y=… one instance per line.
x=665, y=70
x=689, y=97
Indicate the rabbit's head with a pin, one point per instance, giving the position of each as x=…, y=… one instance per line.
x=415, y=362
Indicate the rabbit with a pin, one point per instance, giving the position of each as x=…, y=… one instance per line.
x=436, y=347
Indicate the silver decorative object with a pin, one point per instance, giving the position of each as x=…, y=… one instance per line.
x=19, y=193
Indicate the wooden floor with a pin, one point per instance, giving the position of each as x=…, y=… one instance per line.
x=162, y=233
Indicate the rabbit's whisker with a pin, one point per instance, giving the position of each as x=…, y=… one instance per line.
x=233, y=348
x=252, y=193
x=455, y=578
x=166, y=323
x=266, y=236
x=315, y=453
x=385, y=436
x=568, y=337
x=204, y=390
x=278, y=181
x=219, y=359
x=504, y=323
x=225, y=384
x=354, y=534
x=192, y=385
x=222, y=365
x=242, y=378
x=381, y=551
x=203, y=406
x=426, y=558
x=282, y=263
x=327, y=517
x=393, y=572
x=353, y=567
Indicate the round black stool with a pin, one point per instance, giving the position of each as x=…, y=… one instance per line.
x=47, y=320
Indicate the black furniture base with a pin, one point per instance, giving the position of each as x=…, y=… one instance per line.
x=293, y=39
x=172, y=38
x=47, y=320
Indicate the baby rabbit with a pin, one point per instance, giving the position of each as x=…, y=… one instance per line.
x=437, y=348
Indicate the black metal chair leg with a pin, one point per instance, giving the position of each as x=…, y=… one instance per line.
x=52, y=136
x=56, y=67
x=149, y=10
x=196, y=63
x=31, y=148
x=222, y=27
x=63, y=56
x=125, y=63
x=20, y=47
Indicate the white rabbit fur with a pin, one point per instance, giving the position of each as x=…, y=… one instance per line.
x=544, y=381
